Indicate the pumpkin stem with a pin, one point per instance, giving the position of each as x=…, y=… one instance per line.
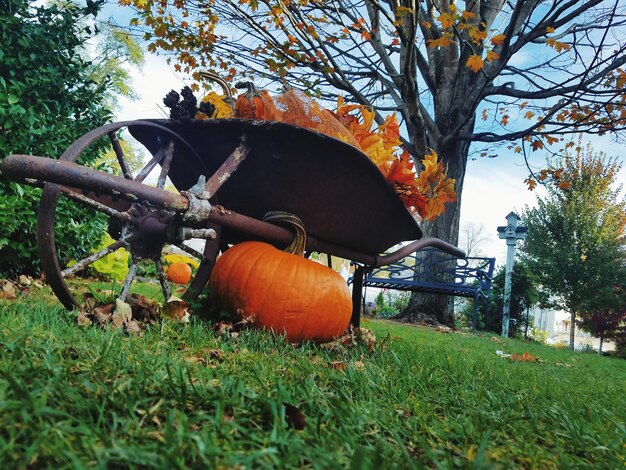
x=219, y=80
x=250, y=87
x=297, y=246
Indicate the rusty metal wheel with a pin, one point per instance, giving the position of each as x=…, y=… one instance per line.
x=141, y=229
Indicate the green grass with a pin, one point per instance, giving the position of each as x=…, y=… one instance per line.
x=182, y=396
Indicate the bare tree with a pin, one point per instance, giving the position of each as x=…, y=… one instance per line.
x=473, y=237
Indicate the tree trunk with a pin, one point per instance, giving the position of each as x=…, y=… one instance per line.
x=434, y=308
x=572, y=330
x=600, y=347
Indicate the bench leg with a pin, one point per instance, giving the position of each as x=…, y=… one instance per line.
x=475, y=314
x=357, y=292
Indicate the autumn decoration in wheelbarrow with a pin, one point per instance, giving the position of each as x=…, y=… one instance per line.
x=212, y=178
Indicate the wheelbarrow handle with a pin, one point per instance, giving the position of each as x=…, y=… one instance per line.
x=28, y=167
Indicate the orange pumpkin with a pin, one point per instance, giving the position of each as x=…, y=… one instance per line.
x=281, y=290
x=179, y=273
x=254, y=104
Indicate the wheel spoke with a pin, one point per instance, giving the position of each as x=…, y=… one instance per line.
x=191, y=251
x=87, y=201
x=165, y=165
x=119, y=152
x=132, y=271
x=162, y=279
x=83, y=263
x=145, y=171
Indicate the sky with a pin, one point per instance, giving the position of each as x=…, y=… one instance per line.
x=493, y=187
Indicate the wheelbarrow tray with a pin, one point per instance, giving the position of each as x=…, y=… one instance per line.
x=336, y=190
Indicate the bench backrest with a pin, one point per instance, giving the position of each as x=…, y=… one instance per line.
x=431, y=270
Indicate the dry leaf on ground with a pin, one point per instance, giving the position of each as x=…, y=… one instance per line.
x=8, y=290
x=123, y=313
x=177, y=309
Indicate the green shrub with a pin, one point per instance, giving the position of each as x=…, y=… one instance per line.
x=47, y=101
x=391, y=303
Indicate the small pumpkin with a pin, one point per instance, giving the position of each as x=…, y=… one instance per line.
x=179, y=273
x=281, y=290
x=213, y=105
x=254, y=104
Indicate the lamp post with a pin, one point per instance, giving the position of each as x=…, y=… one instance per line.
x=511, y=233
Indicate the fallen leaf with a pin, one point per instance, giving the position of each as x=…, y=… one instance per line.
x=145, y=311
x=359, y=365
x=223, y=327
x=495, y=339
x=338, y=365
x=89, y=301
x=525, y=357
x=24, y=280
x=103, y=313
x=83, y=319
x=178, y=309
x=133, y=326
x=122, y=314
x=8, y=291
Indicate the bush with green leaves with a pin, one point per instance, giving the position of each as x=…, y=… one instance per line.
x=47, y=101
x=391, y=303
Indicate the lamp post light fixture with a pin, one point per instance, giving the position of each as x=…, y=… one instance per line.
x=511, y=233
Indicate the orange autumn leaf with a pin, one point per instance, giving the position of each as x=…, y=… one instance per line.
x=468, y=15
x=525, y=357
x=446, y=20
x=403, y=179
x=435, y=185
x=531, y=183
x=475, y=63
x=378, y=144
x=558, y=46
x=443, y=41
x=390, y=132
x=498, y=39
x=537, y=144
x=491, y=56
x=401, y=170
x=477, y=35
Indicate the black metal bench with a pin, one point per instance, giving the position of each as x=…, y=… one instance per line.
x=433, y=271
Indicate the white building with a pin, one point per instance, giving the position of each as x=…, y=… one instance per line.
x=557, y=324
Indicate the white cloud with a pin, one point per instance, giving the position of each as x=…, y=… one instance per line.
x=491, y=191
x=152, y=83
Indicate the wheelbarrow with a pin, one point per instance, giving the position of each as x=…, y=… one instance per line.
x=228, y=173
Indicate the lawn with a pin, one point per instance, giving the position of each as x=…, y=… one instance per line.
x=188, y=395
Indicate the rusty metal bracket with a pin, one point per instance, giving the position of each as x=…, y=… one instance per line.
x=199, y=206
